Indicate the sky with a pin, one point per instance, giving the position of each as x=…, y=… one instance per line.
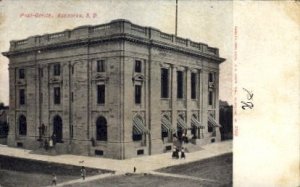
x=208, y=22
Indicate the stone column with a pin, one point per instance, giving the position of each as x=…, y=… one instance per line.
x=204, y=106
x=173, y=95
x=218, y=135
x=188, y=100
x=65, y=98
x=11, y=139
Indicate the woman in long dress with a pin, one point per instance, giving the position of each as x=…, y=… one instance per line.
x=182, y=153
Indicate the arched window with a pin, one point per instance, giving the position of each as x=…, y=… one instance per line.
x=22, y=125
x=57, y=128
x=101, y=131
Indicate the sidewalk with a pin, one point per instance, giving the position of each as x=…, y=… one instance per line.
x=143, y=163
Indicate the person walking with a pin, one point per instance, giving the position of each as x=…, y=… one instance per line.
x=54, y=179
x=175, y=153
x=182, y=153
x=83, y=172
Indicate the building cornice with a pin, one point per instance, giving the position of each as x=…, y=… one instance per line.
x=118, y=30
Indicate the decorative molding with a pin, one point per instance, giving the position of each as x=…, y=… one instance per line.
x=21, y=82
x=55, y=80
x=211, y=85
x=194, y=70
x=165, y=65
x=167, y=113
x=139, y=113
x=100, y=77
x=138, y=77
x=180, y=112
x=121, y=36
x=180, y=68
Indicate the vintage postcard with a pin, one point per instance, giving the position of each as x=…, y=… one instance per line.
x=149, y=93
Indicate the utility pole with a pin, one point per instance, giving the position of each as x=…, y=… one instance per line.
x=176, y=17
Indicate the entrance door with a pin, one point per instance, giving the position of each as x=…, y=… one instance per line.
x=57, y=128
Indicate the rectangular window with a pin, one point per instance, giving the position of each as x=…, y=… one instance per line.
x=57, y=95
x=138, y=66
x=138, y=94
x=99, y=152
x=137, y=137
x=22, y=96
x=100, y=66
x=164, y=83
x=41, y=72
x=101, y=94
x=21, y=73
x=210, y=98
x=72, y=131
x=179, y=84
x=56, y=69
x=210, y=77
x=140, y=152
x=41, y=97
x=193, y=85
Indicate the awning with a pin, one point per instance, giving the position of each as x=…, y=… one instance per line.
x=167, y=125
x=196, y=123
x=212, y=122
x=139, y=127
x=181, y=123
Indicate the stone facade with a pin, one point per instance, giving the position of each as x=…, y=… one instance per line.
x=63, y=73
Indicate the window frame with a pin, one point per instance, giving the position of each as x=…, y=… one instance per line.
x=101, y=94
x=164, y=81
x=22, y=96
x=138, y=94
x=180, y=84
x=23, y=126
x=194, y=84
x=101, y=129
x=57, y=95
x=21, y=73
x=138, y=66
x=57, y=69
x=101, y=66
x=210, y=98
x=211, y=77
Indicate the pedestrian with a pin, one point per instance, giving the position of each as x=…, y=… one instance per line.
x=182, y=153
x=46, y=144
x=54, y=179
x=134, y=169
x=83, y=172
x=174, y=153
x=53, y=137
x=50, y=143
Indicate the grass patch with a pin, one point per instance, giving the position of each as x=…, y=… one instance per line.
x=140, y=180
x=24, y=172
x=217, y=168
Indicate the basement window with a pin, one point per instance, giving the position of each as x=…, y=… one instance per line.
x=19, y=144
x=99, y=152
x=140, y=152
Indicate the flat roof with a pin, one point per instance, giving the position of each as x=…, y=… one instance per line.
x=116, y=29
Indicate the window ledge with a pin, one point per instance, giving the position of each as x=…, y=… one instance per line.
x=100, y=104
